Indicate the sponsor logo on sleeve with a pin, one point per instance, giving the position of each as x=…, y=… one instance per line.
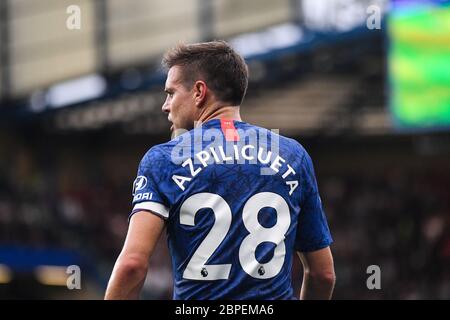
x=139, y=184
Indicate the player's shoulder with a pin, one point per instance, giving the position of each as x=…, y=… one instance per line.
x=287, y=143
x=165, y=152
x=295, y=150
x=294, y=144
x=297, y=146
x=274, y=133
x=154, y=155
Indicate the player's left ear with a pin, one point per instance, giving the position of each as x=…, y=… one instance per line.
x=200, y=90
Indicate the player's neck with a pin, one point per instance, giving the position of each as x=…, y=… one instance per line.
x=224, y=112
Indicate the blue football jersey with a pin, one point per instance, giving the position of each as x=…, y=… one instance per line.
x=239, y=201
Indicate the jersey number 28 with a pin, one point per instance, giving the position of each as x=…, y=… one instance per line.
x=197, y=268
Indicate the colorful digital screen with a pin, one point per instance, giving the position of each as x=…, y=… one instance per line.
x=419, y=63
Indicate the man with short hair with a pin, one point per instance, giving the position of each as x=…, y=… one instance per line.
x=238, y=201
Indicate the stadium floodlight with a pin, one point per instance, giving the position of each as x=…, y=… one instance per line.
x=51, y=275
x=277, y=37
x=5, y=274
x=75, y=91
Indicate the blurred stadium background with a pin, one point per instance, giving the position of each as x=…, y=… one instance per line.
x=79, y=108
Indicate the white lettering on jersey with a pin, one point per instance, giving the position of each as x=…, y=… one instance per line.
x=191, y=167
x=213, y=155
x=143, y=196
x=213, y=152
x=180, y=180
x=247, y=157
x=203, y=156
x=276, y=164
x=288, y=172
x=224, y=157
x=292, y=185
x=260, y=155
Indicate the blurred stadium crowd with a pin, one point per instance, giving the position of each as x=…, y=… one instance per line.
x=392, y=215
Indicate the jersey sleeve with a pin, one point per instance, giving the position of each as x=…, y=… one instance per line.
x=313, y=232
x=147, y=195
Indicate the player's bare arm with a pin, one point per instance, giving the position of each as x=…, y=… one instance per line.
x=318, y=275
x=130, y=270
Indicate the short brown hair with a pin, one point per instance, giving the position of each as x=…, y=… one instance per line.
x=216, y=63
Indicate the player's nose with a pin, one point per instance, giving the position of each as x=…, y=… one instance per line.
x=165, y=107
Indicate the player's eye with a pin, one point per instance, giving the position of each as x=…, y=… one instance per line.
x=169, y=93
